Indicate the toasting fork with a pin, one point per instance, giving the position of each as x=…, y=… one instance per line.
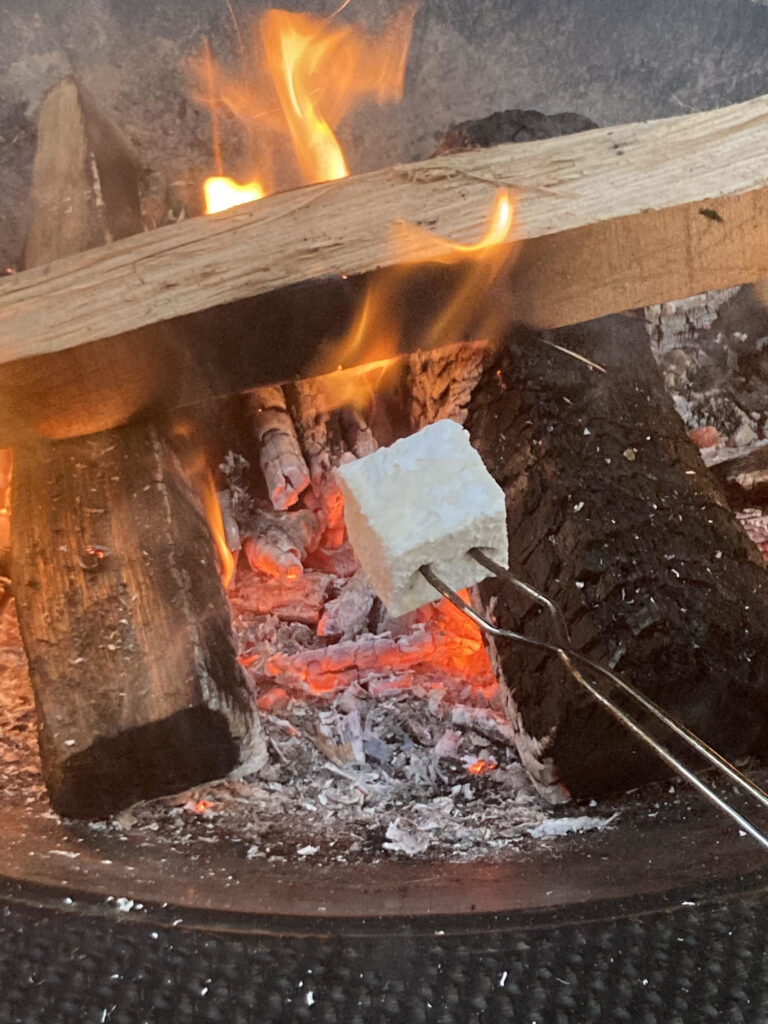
x=577, y=664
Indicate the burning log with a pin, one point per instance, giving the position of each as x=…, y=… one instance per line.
x=610, y=219
x=612, y=513
x=282, y=463
x=122, y=613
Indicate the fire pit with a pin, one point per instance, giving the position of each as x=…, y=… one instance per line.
x=141, y=476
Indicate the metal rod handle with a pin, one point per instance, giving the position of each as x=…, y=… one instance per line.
x=565, y=654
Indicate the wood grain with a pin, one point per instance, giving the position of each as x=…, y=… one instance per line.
x=124, y=620
x=613, y=218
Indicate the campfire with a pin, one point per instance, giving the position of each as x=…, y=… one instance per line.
x=190, y=395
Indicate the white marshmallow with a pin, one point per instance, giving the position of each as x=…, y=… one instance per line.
x=425, y=500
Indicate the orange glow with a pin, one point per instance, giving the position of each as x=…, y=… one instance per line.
x=357, y=386
x=216, y=523
x=193, y=457
x=378, y=326
x=203, y=805
x=223, y=193
x=498, y=230
x=481, y=767
x=6, y=472
x=297, y=81
x=484, y=263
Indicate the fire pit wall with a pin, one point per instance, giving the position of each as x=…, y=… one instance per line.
x=607, y=59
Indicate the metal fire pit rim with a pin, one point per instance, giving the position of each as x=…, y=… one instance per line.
x=216, y=921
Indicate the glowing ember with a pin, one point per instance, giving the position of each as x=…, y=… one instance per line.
x=224, y=193
x=298, y=77
x=481, y=767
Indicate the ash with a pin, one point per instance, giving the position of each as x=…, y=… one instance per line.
x=712, y=351
x=387, y=744
x=372, y=774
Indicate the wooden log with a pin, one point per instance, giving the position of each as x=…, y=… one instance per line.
x=86, y=170
x=122, y=613
x=609, y=219
x=612, y=513
x=282, y=463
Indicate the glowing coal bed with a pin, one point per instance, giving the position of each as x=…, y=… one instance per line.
x=414, y=760
x=386, y=737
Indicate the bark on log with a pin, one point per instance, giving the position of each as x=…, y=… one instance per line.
x=610, y=219
x=122, y=613
x=612, y=513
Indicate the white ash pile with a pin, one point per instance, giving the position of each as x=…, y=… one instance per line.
x=712, y=351
x=420, y=773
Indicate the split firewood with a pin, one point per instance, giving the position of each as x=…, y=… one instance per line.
x=124, y=620
x=282, y=463
x=613, y=515
x=611, y=219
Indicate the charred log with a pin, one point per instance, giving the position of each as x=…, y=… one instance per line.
x=612, y=513
x=123, y=617
x=285, y=471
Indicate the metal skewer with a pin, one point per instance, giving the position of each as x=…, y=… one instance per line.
x=561, y=647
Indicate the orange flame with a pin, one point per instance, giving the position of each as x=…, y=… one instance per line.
x=374, y=337
x=481, y=767
x=298, y=80
x=193, y=457
x=223, y=193
x=215, y=521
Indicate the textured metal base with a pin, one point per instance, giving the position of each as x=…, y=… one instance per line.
x=662, y=920
x=668, y=966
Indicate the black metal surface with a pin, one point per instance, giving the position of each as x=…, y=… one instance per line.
x=662, y=919
x=682, y=963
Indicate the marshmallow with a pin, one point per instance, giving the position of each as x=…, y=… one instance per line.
x=425, y=500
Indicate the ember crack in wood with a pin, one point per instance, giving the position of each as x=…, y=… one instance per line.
x=122, y=613
x=610, y=219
